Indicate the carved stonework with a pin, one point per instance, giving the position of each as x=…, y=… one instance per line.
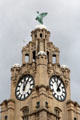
x=66, y=82
x=42, y=81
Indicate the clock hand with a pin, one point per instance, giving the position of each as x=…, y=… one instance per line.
x=25, y=83
x=59, y=84
x=58, y=89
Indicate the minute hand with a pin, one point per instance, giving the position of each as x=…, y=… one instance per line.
x=25, y=83
x=58, y=88
x=59, y=85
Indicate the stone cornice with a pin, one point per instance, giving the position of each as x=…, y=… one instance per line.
x=73, y=102
x=7, y=101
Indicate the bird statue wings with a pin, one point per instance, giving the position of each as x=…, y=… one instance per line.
x=40, y=16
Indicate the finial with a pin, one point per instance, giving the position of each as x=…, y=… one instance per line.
x=40, y=17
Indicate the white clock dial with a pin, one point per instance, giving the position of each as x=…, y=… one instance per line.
x=57, y=87
x=24, y=87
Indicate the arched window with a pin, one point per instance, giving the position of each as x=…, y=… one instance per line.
x=47, y=57
x=46, y=104
x=25, y=112
x=75, y=118
x=38, y=104
x=54, y=58
x=35, y=35
x=34, y=56
x=57, y=113
x=40, y=35
x=6, y=117
x=26, y=58
x=37, y=116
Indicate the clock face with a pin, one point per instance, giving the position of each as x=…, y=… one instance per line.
x=58, y=89
x=24, y=87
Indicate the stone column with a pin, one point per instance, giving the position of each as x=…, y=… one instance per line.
x=41, y=45
x=30, y=54
x=43, y=115
x=11, y=108
x=57, y=58
x=23, y=58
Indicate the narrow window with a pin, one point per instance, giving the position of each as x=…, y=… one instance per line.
x=54, y=59
x=38, y=104
x=25, y=117
x=26, y=58
x=75, y=118
x=37, y=116
x=6, y=117
x=47, y=57
x=35, y=35
x=38, y=45
x=40, y=35
x=25, y=111
x=45, y=36
x=46, y=104
x=34, y=56
x=57, y=113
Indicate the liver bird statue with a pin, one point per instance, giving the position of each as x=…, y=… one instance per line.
x=40, y=17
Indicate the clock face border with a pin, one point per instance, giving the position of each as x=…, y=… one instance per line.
x=62, y=83
x=19, y=82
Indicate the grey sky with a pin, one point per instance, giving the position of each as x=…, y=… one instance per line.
x=17, y=20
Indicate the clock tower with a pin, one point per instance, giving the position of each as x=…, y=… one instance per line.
x=40, y=87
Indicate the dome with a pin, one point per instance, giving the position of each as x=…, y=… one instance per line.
x=41, y=26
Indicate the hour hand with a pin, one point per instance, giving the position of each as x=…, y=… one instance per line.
x=58, y=88
x=24, y=86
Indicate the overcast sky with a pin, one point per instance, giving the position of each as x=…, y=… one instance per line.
x=17, y=20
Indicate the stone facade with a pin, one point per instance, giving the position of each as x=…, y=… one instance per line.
x=40, y=58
